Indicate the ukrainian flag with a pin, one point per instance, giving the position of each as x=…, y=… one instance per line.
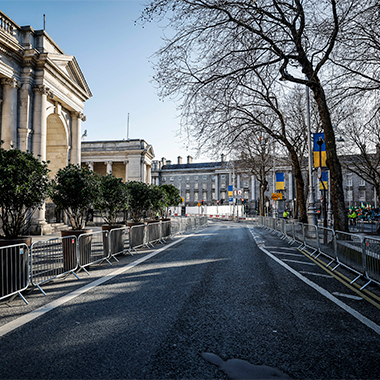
x=316, y=137
x=280, y=182
x=325, y=180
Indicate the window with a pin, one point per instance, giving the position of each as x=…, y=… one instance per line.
x=213, y=177
x=204, y=195
x=223, y=185
x=187, y=197
x=188, y=186
x=362, y=182
x=213, y=195
x=196, y=197
x=204, y=178
x=171, y=179
x=187, y=178
x=246, y=194
x=223, y=195
x=163, y=179
x=179, y=178
x=245, y=175
x=196, y=185
x=245, y=184
x=362, y=194
x=223, y=176
x=196, y=178
x=349, y=195
x=213, y=185
x=204, y=186
x=349, y=181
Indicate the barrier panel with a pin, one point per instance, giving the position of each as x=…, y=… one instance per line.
x=350, y=251
x=14, y=270
x=166, y=229
x=153, y=233
x=118, y=242
x=52, y=258
x=372, y=258
x=327, y=241
x=310, y=233
x=92, y=248
x=137, y=236
x=299, y=232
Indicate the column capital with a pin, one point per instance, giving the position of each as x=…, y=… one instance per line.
x=11, y=82
x=108, y=162
x=43, y=90
x=78, y=115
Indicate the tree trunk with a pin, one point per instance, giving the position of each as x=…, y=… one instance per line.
x=332, y=161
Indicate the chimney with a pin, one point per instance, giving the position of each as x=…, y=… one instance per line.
x=163, y=160
x=223, y=158
x=179, y=160
x=189, y=159
x=168, y=162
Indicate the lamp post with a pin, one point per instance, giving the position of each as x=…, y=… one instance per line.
x=311, y=214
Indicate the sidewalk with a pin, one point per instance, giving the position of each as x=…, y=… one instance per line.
x=58, y=234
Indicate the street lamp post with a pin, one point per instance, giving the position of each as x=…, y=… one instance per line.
x=320, y=143
x=311, y=214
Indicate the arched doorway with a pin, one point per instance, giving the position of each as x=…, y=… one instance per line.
x=57, y=148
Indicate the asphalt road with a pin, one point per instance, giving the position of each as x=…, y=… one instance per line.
x=183, y=313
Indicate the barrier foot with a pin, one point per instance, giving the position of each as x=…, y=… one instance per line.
x=354, y=280
x=128, y=252
x=23, y=298
x=77, y=275
x=330, y=263
x=365, y=284
x=114, y=257
x=41, y=290
x=151, y=245
x=109, y=262
x=336, y=266
x=85, y=270
x=134, y=249
x=311, y=254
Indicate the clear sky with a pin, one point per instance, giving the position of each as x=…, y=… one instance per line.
x=113, y=54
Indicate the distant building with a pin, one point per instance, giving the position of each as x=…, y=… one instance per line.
x=130, y=160
x=42, y=97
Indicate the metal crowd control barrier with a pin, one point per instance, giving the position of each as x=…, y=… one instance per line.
x=53, y=258
x=372, y=259
x=166, y=229
x=119, y=242
x=137, y=236
x=14, y=271
x=93, y=248
x=153, y=233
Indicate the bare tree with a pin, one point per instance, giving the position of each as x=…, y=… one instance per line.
x=212, y=39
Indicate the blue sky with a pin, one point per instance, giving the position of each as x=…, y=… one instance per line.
x=113, y=54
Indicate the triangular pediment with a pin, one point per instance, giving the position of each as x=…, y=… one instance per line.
x=69, y=66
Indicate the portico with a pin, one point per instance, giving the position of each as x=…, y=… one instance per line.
x=42, y=95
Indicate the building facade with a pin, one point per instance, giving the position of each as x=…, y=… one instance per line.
x=130, y=160
x=208, y=182
x=42, y=97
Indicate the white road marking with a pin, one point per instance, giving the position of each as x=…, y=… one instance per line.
x=372, y=325
x=5, y=329
x=317, y=274
x=298, y=262
x=357, y=298
x=287, y=253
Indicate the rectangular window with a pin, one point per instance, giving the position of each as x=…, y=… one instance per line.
x=245, y=175
x=196, y=178
x=223, y=195
x=204, y=195
x=204, y=186
x=213, y=195
x=196, y=197
x=362, y=194
x=188, y=186
x=196, y=185
x=223, y=185
x=187, y=178
x=223, y=176
x=187, y=197
x=213, y=185
x=246, y=194
x=245, y=184
x=349, y=181
x=349, y=195
x=362, y=182
x=171, y=179
x=179, y=178
x=204, y=178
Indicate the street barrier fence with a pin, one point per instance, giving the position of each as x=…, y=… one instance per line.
x=47, y=260
x=360, y=254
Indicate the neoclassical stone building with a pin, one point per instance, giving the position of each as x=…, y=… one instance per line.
x=130, y=160
x=42, y=96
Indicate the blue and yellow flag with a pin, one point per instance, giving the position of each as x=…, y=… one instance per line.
x=316, y=137
x=280, y=182
x=325, y=180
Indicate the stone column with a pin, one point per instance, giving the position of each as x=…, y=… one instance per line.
x=109, y=166
x=238, y=181
x=39, y=225
x=126, y=163
x=40, y=121
x=9, y=114
x=90, y=165
x=24, y=130
x=217, y=196
x=291, y=187
x=76, y=136
x=143, y=169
